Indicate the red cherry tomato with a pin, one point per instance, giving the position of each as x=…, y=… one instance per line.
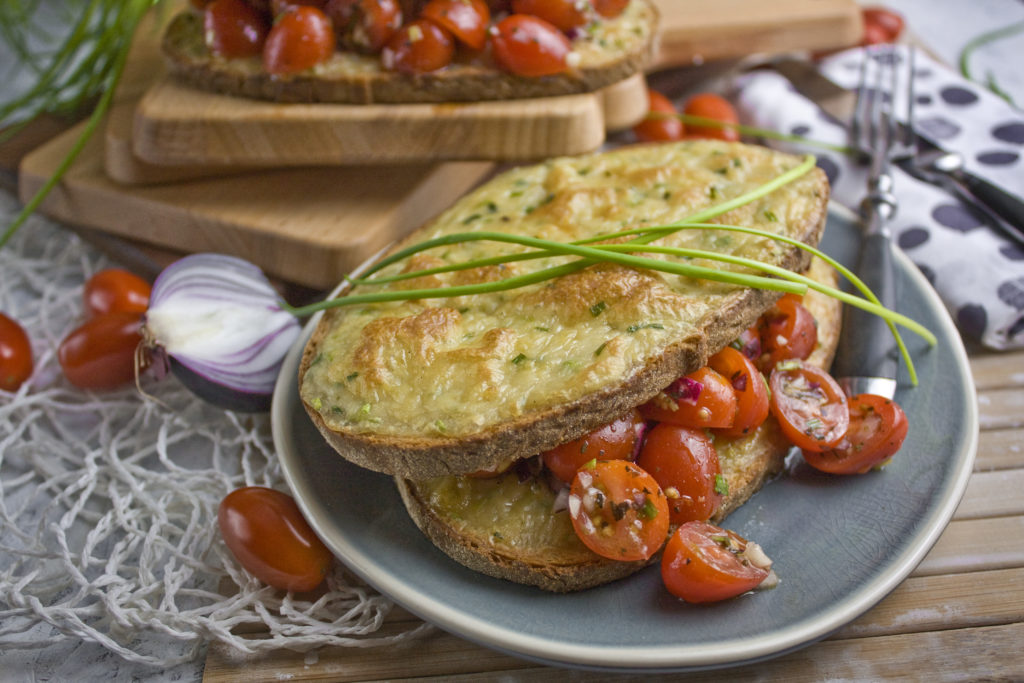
x=527, y=46
x=712, y=106
x=661, y=122
x=618, y=510
x=15, y=354
x=881, y=25
x=748, y=383
x=614, y=441
x=878, y=427
x=232, y=28
x=809, y=405
x=609, y=9
x=703, y=399
x=467, y=20
x=685, y=464
x=704, y=563
x=787, y=331
x=266, y=532
x=364, y=25
x=562, y=14
x=419, y=47
x=300, y=38
x=101, y=353
x=115, y=290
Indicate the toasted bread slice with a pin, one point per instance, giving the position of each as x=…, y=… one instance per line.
x=506, y=528
x=610, y=51
x=450, y=386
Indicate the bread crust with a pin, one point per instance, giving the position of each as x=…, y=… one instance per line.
x=189, y=60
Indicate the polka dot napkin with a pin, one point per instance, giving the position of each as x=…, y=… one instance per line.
x=978, y=272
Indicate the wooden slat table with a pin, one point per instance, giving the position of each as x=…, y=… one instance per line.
x=959, y=616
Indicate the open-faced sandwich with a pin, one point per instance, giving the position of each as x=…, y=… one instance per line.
x=404, y=51
x=552, y=421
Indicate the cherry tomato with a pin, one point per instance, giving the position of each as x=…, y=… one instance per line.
x=609, y=9
x=527, y=46
x=300, y=38
x=881, y=25
x=266, y=532
x=809, y=405
x=232, y=28
x=661, y=122
x=618, y=510
x=703, y=399
x=419, y=47
x=562, y=14
x=364, y=25
x=748, y=383
x=614, y=441
x=704, y=563
x=878, y=427
x=101, y=353
x=711, y=106
x=685, y=464
x=467, y=20
x=115, y=290
x=787, y=331
x=15, y=354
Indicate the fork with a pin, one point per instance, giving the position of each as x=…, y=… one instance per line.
x=867, y=359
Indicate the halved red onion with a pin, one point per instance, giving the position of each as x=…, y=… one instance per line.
x=220, y=322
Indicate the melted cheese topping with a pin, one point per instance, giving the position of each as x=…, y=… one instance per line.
x=452, y=367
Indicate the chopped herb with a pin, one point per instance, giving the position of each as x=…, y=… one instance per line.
x=517, y=193
x=649, y=510
x=737, y=162
x=519, y=359
x=317, y=404
x=470, y=219
x=590, y=464
x=491, y=207
x=722, y=171
x=600, y=349
x=721, y=485
x=814, y=424
x=713, y=192
x=336, y=410
x=440, y=426
x=598, y=308
x=770, y=215
x=632, y=329
x=497, y=536
x=619, y=510
x=540, y=328
x=318, y=359
x=351, y=376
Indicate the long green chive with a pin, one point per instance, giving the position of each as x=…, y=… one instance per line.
x=984, y=39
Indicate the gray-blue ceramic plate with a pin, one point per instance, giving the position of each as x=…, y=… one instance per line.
x=839, y=544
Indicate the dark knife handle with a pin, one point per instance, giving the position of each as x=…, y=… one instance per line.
x=1002, y=203
x=867, y=350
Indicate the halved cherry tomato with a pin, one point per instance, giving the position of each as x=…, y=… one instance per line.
x=232, y=28
x=420, y=46
x=364, y=25
x=300, y=38
x=467, y=20
x=115, y=290
x=704, y=563
x=614, y=441
x=685, y=464
x=618, y=510
x=15, y=354
x=609, y=9
x=101, y=353
x=562, y=14
x=881, y=25
x=266, y=532
x=809, y=405
x=878, y=427
x=748, y=383
x=661, y=123
x=527, y=46
x=788, y=330
x=711, y=106
x=703, y=399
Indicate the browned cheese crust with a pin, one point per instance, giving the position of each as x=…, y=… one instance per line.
x=357, y=79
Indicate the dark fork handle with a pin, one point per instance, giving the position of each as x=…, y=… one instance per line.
x=867, y=357
x=1005, y=205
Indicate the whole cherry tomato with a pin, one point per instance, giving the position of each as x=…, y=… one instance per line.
x=527, y=46
x=364, y=25
x=881, y=25
x=809, y=405
x=704, y=563
x=661, y=122
x=266, y=532
x=467, y=20
x=712, y=106
x=232, y=28
x=878, y=427
x=614, y=441
x=101, y=353
x=618, y=510
x=300, y=38
x=115, y=290
x=788, y=330
x=562, y=14
x=750, y=388
x=420, y=46
x=685, y=464
x=702, y=399
x=15, y=354
x=609, y=9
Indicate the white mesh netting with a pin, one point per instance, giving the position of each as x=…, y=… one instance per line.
x=108, y=502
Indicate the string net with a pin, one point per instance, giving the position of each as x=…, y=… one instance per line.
x=108, y=501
